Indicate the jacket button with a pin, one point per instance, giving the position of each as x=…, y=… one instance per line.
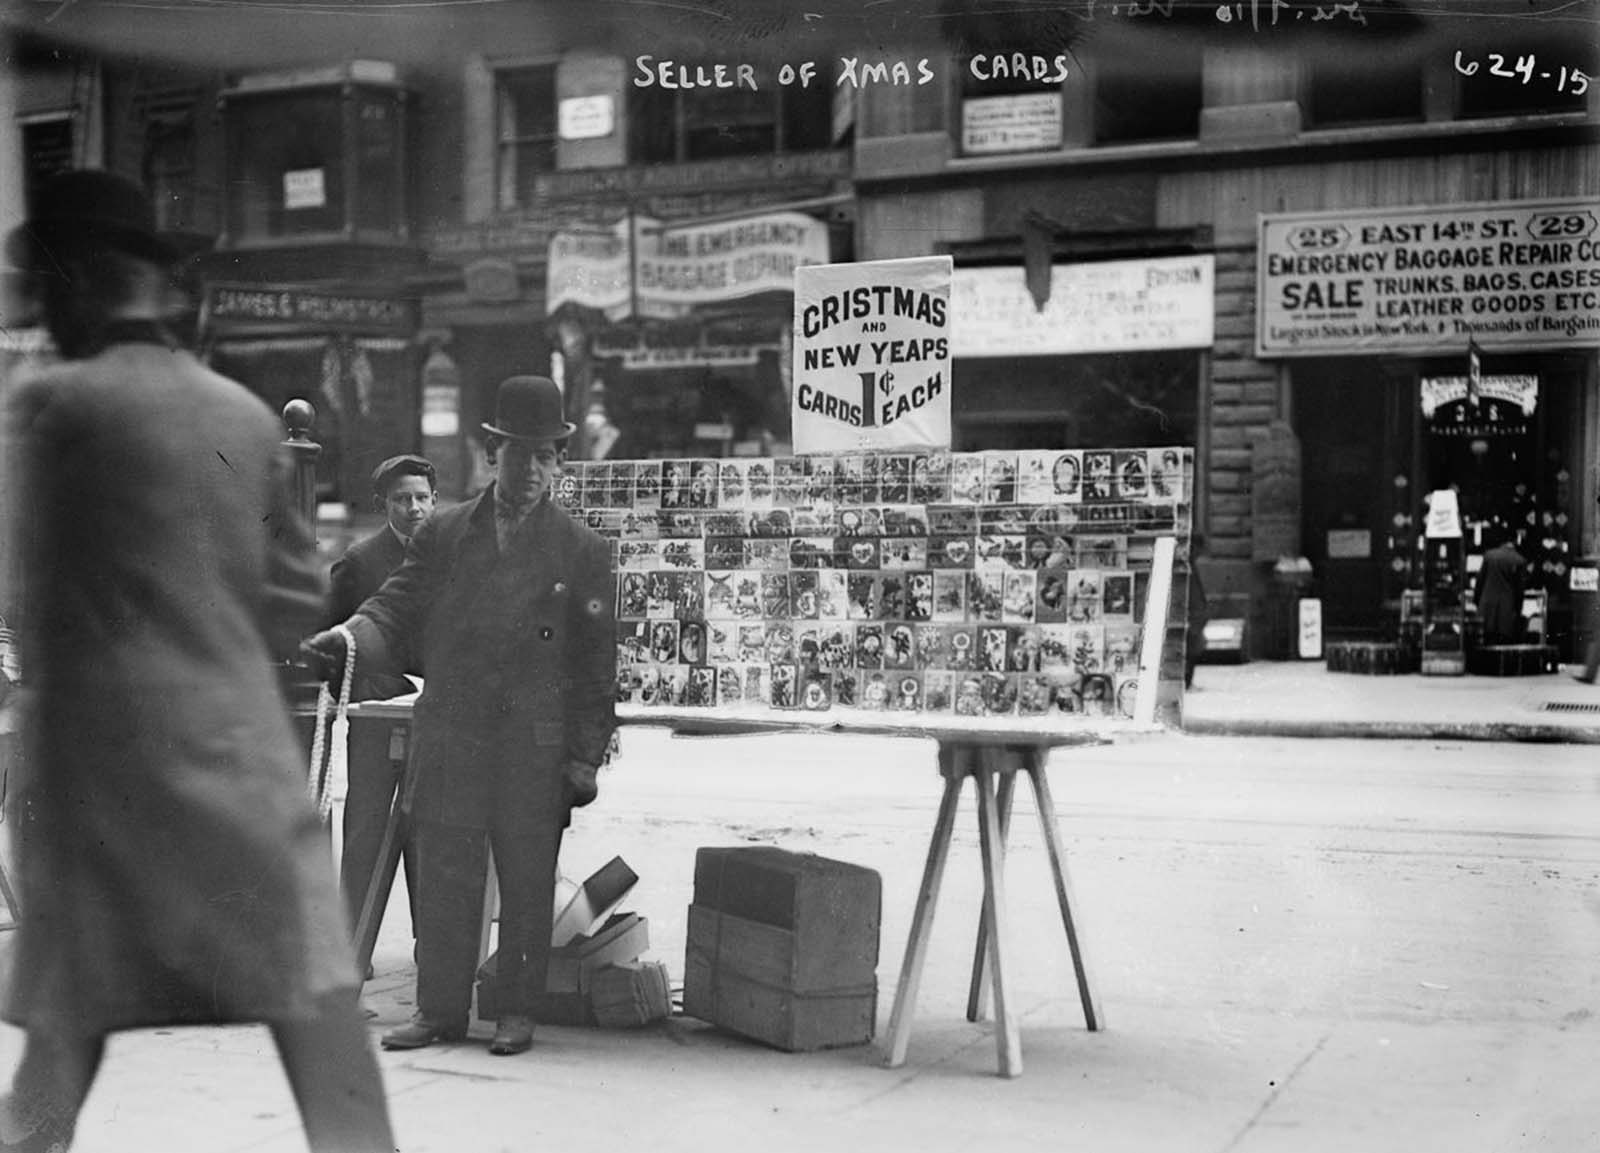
x=547, y=633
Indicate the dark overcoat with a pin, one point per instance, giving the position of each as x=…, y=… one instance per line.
x=1500, y=596
x=519, y=649
x=172, y=868
x=356, y=575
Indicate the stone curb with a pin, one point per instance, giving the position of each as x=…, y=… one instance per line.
x=1398, y=731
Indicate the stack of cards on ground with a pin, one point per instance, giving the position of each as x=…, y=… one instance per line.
x=589, y=937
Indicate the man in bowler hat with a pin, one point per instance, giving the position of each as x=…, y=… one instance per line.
x=508, y=603
x=172, y=870
x=405, y=489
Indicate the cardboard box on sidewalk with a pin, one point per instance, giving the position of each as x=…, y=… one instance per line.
x=783, y=947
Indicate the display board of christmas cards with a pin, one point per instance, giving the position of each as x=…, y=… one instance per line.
x=965, y=584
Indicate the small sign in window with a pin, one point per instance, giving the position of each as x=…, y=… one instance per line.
x=586, y=117
x=304, y=188
x=1349, y=544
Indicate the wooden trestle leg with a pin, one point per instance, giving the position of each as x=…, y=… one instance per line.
x=905, y=996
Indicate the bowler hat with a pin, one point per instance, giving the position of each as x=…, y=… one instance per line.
x=529, y=408
x=406, y=464
x=99, y=208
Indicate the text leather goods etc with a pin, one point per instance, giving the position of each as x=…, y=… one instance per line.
x=783, y=947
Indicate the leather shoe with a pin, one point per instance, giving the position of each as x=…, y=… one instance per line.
x=419, y=1033
x=511, y=1035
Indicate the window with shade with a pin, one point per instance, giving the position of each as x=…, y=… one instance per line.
x=1373, y=87
x=526, y=131
x=169, y=169
x=1148, y=100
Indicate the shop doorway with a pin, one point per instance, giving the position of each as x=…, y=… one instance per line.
x=1514, y=453
x=1378, y=434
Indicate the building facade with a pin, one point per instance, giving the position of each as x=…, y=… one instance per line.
x=1279, y=251
x=1280, y=234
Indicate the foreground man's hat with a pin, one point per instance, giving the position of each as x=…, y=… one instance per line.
x=101, y=208
x=529, y=408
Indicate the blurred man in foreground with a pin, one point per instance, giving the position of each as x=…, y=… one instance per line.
x=173, y=871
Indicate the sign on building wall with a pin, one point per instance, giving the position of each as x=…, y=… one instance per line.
x=995, y=585
x=1106, y=306
x=1423, y=280
x=1025, y=122
x=667, y=271
x=872, y=355
x=679, y=268
x=266, y=308
x=590, y=268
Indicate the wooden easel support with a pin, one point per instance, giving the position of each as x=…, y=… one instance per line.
x=13, y=910
x=993, y=768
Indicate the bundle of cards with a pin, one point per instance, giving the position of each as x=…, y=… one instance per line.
x=970, y=584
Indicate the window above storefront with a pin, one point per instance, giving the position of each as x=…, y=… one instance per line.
x=1372, y=88
x=666, y=127
x=1134, y=103
x=526, y=123
x=316, y=158
x=1527, y=75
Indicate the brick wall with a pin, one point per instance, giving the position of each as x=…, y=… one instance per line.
x=1245, y=399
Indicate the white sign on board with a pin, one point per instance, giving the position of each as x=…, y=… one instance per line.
x=872, y=355
x=1025, y=122
x=666, y=271
x=1310, y=639
x=304, y=188
x=586, y=117
x=1508, y=274
x=1108, y=306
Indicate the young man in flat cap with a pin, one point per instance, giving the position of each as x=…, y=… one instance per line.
x=405, y=489
x=508, y=603
x=172, y=870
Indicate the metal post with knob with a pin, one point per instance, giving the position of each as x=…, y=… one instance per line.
x=300, y=684
x=298, y=417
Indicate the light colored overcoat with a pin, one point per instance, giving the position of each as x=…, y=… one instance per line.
x=173, y=869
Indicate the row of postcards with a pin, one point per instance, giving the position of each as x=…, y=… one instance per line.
x=883, y=645
x=788, y=686
x=853, y=531
x=1055, y=595
x=1065, y=477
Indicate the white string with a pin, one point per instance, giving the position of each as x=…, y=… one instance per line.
x=327, y=786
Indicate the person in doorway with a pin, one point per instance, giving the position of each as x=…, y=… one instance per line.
x=1500, y=587
x=405, y=489
x=509, y=603
x=171, y=868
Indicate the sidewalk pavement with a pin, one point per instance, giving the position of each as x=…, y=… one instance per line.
x=1303, y=699
x=1354, y=1020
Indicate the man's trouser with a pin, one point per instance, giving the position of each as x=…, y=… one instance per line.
x=366, y=814
x=525, y=823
